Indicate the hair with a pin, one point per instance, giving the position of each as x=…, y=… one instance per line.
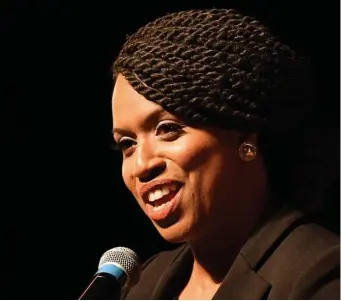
x=220, y=68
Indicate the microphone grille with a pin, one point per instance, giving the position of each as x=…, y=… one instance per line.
x=123, y=256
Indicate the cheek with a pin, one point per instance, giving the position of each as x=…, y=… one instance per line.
x=126, y=175
x=208, y=164
x=129, y=180
x=191, y=154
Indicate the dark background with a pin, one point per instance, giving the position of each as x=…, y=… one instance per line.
x=68, y=203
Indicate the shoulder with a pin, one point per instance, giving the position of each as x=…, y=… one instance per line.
x=310, y=241
x=151, y=271
x=305, y=264
x=322, y=279
x=320, y=275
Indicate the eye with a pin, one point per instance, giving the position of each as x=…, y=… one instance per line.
x=169, y=128
x=124, y=144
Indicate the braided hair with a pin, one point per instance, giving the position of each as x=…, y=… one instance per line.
x=213, y=66
x=218, y=67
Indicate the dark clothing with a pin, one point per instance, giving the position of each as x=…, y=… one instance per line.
x=289, y=257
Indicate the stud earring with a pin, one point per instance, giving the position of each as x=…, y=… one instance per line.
x=247, y=151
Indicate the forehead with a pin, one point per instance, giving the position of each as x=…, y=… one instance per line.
x=127, y=103
x=124, y=95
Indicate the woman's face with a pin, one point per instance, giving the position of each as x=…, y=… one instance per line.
x=188, y=181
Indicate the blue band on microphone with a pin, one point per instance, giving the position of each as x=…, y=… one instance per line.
x=115, y=271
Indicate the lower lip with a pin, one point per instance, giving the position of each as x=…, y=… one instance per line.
x=167, y=209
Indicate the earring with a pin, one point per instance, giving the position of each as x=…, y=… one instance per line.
x=247, y=151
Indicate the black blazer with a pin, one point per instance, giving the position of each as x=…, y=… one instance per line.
x=287, y=258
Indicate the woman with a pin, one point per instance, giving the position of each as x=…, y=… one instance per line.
x=208, y=108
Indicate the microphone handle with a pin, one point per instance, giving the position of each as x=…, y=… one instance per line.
x=104, y=286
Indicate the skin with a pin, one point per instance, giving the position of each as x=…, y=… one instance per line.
x=222, y=198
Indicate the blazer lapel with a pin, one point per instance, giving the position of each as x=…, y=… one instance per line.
x=242, y=282
x=262, y=243
x=173, y=277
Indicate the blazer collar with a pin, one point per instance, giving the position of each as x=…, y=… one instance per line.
x=242, y=281
x=268, y=236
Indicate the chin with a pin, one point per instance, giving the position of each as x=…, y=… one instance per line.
x=175, y=233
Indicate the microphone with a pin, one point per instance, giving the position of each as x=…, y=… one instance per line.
x=118, y=270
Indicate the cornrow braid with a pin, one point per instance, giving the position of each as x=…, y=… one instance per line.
x=215, y=67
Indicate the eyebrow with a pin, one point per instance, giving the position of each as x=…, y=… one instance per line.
x=150, y=119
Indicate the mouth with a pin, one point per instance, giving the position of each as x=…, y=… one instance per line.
x=162, y=201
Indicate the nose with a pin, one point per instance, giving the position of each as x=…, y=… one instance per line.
x=147, y=165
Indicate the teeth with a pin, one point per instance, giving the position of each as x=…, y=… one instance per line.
x=160, y=207
x=151, y=197
x=165, y=190
x=160, y=192
x=157, y=208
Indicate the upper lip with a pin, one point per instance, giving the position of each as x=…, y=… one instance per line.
x=146, y=188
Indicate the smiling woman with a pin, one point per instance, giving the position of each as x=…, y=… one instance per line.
x=199, y=165
x=200, y=107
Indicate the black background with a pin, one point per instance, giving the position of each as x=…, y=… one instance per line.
x=68, y=203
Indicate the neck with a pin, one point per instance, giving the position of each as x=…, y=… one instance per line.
x=212, y=263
